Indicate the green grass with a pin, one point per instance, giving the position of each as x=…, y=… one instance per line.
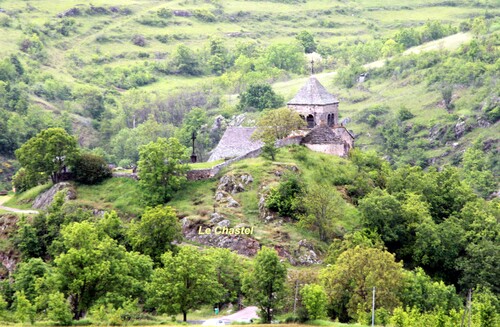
x=203, y=165
x=23, y=200
x=196, y=200
x=120, y=194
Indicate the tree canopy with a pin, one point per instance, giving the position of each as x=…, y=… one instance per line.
x=162, y=169
x=50, y=152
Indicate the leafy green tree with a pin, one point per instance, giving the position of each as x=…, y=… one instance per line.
x=421, y=292
x=477, y=171
x=154, y=233
x=58, y=309
x=315, y=300
x=228, y=269
x=354, y=275
x=487, y=307
x=324, y=207
x=162, y=170
x=219, y=59
x=95, y=268
x=277, y=124
x=49, y=152
x=24, y=310
x=265, y=283
x=27, y=275
x=185, y=62
x=259, y=97
x=91, y=99
x=186, y=281
x=91, y=169
x=390, y=48
x=286, y=56
x=407, y=37
x=307, y=41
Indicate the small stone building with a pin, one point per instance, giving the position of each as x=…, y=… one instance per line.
x=320, y=109
x=317, y=107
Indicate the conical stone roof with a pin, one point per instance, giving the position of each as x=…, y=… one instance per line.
x=313, y=93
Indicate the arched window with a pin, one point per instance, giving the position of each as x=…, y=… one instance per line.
x=310, y=121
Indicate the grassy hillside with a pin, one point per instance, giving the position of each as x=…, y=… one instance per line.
x=103, y=70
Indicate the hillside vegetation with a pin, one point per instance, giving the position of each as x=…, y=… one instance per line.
x=411, y=213
x=118, y=76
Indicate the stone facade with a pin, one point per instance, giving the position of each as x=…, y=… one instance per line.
x=320, y=110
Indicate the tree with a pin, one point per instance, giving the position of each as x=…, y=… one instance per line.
x=228, y=269
x=315, y=300
x=49, y=152
x=91, y=99
x=154, y=233
x=354, y=275
x=186, y=281
x=265, y=284
x=259, y=97
x=91, y=169
x=324, y=207
x=307, y=41
x=185, y=62
x=94, y=268
x=161, y=169
x=26, y=277
x=278, y=124
x=390, y=48
x=286, y=56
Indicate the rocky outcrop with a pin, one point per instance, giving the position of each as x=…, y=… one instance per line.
x=231, y=184
x=242, y=244
x=44, y=200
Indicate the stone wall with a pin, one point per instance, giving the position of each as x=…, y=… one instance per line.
x=337, y=149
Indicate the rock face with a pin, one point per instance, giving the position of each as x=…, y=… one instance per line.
x=45, y=199
x=231, y=184
x=242, y=244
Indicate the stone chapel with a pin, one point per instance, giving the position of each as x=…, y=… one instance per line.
x=323, y=133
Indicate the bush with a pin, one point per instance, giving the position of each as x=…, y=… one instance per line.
x=285, y=198
x=164, y=13
x=139, y=40
x=204, y=15
x=91, y=169
x=58, y=309
x=23, y=180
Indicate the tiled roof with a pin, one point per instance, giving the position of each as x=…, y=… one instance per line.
x=321, y=134
x=235, y=142
x=313, y=93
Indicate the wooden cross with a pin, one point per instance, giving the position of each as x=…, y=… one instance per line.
x=312, y=66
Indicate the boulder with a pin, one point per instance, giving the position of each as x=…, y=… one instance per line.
x=45, y=199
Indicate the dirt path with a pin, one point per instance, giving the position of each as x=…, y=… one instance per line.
x=15, y=210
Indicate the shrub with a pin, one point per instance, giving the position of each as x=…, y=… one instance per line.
x=164, y=13
x=204, y=15
x=139, y=40
x=285, y=198
x=23, y=180
x=91, y=169
x=58, y=309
